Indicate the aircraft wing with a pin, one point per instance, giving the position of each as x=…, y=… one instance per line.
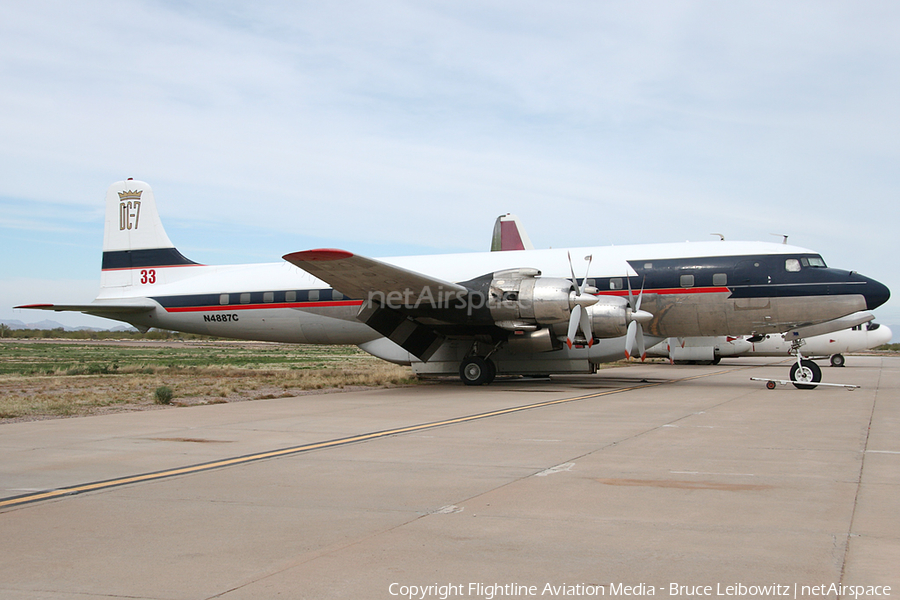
x=367, y=278
x=388, y=293
x=857, y=318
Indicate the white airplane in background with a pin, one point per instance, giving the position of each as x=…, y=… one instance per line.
x=710, y=349
x=476, y=314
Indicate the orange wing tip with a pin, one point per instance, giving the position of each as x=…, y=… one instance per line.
x=321, y=254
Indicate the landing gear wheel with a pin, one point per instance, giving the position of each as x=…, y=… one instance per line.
x=837, y=360
x=770, y=385
x=492, y=371
x=477, y=371
x=805, y=375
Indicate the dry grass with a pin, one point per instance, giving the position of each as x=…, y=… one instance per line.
x=60, y=393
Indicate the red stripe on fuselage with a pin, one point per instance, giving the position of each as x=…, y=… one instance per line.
x=693, y=290
x=177, y=309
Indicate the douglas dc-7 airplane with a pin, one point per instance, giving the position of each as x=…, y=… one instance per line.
x=476, y=314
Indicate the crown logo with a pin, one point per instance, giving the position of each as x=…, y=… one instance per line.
x=130, y=195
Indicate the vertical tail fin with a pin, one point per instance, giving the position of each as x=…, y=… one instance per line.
x=509, y=234
x=136, y=249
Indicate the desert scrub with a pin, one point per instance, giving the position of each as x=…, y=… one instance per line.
x=163, y=395
x=41, y=380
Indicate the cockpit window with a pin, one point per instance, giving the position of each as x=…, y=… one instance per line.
x=792, y=265
x=813, y=261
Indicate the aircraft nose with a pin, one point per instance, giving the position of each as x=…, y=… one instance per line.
x=876, y=293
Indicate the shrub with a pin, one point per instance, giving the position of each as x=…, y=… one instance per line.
x=163, y=395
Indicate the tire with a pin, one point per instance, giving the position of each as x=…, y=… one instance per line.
x=838, y=360
x=770, y=385
x=805, y=375
x=475, y=371
x=492, y=371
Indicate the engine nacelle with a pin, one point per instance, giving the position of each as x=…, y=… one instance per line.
x=609, y=317
x=520, y=296
x=521, y=300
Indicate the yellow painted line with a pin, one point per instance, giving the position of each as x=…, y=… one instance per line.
x=101, y=485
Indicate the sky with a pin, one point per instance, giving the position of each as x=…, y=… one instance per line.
x=406, y=127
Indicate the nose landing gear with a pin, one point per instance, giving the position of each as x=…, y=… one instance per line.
x=805, y=374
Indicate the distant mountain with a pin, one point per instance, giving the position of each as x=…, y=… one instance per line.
x=48, y=324
x=14, y=324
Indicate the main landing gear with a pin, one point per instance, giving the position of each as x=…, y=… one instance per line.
x=477, y=370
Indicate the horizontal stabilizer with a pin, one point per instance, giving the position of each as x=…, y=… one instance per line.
x=99, y=308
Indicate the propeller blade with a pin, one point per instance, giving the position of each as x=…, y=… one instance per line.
x=586, y=328
x=574, y=321
x=640, y=341
x=630, y=293
x=637, y=306
x=572, y=270
x=629, y=338
x=588, y=258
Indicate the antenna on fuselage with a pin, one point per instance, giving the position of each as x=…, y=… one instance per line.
x=721, y=236
x=784, y=237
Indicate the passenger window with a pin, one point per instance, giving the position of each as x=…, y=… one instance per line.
x=245, y=298
x=792, y=265
x=290, y=296
x=336, y=295
x=720, y=279
x=269, y=297
x=616, y=284
x=313, y=295
x=223, y=299
x=687, y=281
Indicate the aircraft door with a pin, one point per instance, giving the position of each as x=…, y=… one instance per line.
x=751, y=272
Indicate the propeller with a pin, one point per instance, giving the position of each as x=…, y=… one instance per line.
x=635, y=330
x=579, y=317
